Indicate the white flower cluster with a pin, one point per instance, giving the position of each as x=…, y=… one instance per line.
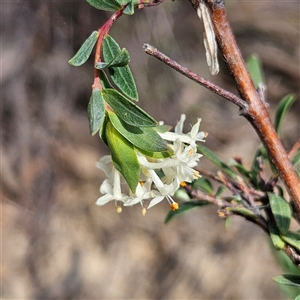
x=175, y=169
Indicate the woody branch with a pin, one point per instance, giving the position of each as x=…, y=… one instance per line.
x=256, y=111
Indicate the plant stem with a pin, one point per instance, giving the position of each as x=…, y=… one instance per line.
x=189, y=74
x=103, y=31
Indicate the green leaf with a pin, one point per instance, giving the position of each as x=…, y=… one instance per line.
x=162, y=128
x=282, y=212
x=220, y=191
x=121, y=76
x=211, y=156
x=184, y=207
x=85, y=50
x=102, y=130
x=126, y=110
x=242, y=170
x=204, y=184
x=241, y=211
x=288, y=279
x=277, y=241
x=129, y=10
x=121, y=60
x=296, y=159
x=292, y=238
x=255, y=70
x=124, y=156
x=157, y=155
x=282, y=109
x=298, y=297
x=108, y=5
x=104, y=81
x=254, y=173
x=96, y=111
x=144, y=138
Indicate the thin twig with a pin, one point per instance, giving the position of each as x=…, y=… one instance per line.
x=257, y=111
x=189, y=74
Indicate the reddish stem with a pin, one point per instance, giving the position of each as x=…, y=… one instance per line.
x=103, y=31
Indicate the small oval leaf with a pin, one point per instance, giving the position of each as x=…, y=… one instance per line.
x=126, y=110
x=204, y=184
x=277, y=241
x=144, y=138
x=121, y=60
x=255, y=70
x=85, y=50
x=282, y=212
x=121, y=76
x=108, y=5
x=124, y=156
x=96, y=111
x=292, y=238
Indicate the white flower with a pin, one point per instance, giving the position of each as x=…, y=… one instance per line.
x=188, y=138
x=111, y=187
x=173, y=171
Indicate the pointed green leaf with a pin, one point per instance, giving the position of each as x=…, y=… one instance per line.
x=144, y=138
x=96, y=111
x=211, y=156
x=277, y=241
x=126, y=110
x=292, y=238
x=255, y=168
x=85, y=50
x=220, y=191
x=108, y=5
x=129, y=10
x=121, y=60
x=255, y=70
x=242, y=170
x=288, y=279
x=121, y=76
x=124, y=157
x=282, y=109
x=254, y=173
x=296, y=159
x=204, y=184
x=282, y=212
x=104, y=81
x=184, y=207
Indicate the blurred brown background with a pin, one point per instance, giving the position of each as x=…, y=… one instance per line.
x=56, y=244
